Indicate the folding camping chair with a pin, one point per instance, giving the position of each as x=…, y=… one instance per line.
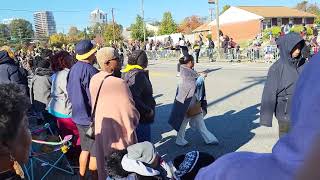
x=47, y=156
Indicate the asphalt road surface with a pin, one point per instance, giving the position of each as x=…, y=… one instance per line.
x=233, y=92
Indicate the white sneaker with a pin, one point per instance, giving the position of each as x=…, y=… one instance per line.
x=181, y=142
x=178, y=75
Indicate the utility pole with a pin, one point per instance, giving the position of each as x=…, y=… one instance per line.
x=144, y=28
x=218, y=28
x=114, y=35
x=216, y=2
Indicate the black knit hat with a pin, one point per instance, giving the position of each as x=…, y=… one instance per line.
x=188, y=165
x=138, y=57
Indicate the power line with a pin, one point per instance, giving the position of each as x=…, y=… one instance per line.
x=32, y=11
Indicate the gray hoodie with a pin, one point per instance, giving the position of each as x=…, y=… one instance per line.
x=40, y=86
x=60, y=105
x=282, y=76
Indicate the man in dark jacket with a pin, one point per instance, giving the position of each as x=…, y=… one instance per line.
x=210, y=49
x=282, y=76
x=10, y=72
x=142, y=92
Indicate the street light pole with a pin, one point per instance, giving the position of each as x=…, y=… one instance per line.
x=144, y=29
x=218, y=28
x=216, y=2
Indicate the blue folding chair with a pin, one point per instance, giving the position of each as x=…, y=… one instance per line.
x=54, y=158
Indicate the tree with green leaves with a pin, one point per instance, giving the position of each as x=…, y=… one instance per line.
x=310, y=8
x=225, y=8
x=108, y=33
x=317, y=21
x=4, y=34
x=314, y=9
x=168, y=25
x=21, y=30
x=97, y=29
x=74, y=35
x=302, y=6
x=137, y=29
x=73, y=31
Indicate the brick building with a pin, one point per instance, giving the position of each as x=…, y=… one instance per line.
x=245, y=22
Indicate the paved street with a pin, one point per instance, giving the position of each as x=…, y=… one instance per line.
x=233, y=93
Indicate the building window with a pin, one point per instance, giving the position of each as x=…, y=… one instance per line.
x=309, y=21
x=266, y=24
x=274, y=22
x=285, y=21
x=297, y=21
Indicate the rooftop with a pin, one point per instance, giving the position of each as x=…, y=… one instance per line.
x=203, y=27
x=276, y=11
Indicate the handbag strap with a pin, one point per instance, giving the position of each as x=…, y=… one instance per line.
x=96, y=102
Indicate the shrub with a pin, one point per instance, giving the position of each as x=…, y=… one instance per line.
x=275, y=30
x=299, y=28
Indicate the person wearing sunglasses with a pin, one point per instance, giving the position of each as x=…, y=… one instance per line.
x=114, y=112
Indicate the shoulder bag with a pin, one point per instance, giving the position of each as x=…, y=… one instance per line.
x=90, y=132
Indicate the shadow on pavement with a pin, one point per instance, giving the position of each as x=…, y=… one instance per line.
x=253, y=80
x=211, y=70
x=157, y=96
x=233, y=129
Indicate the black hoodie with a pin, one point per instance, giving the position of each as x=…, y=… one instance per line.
x=10, y=72
x=282, y=76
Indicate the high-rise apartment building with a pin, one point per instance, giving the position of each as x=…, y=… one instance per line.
x=44, y=24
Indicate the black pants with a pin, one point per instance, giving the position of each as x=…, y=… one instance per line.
x=197, y=51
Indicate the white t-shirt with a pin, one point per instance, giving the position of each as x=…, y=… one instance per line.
x=148, y=46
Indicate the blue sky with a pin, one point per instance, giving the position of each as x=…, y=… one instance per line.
x=125, y=10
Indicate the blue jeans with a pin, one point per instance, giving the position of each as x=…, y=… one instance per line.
x=143, y=132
